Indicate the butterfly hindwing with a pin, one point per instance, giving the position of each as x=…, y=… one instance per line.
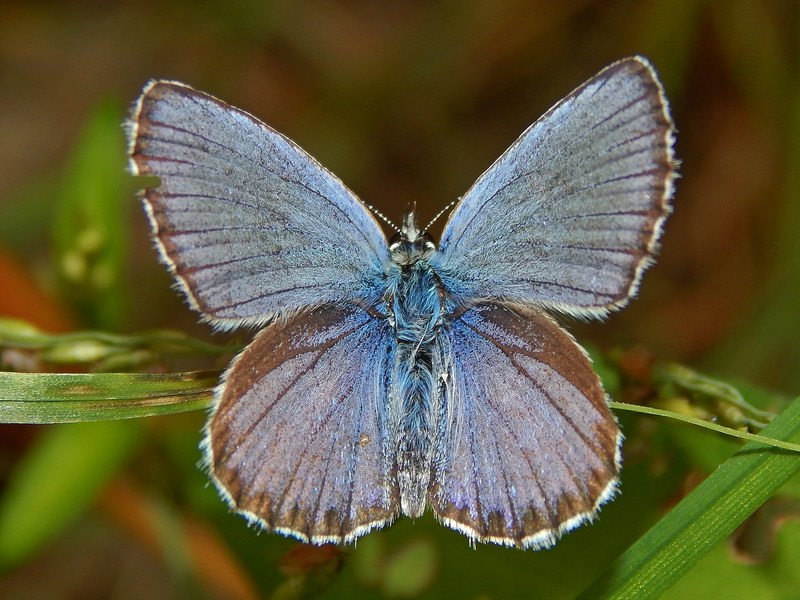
x=249, y=223
x=569, y=216
x=528, y=447
x=298, y=440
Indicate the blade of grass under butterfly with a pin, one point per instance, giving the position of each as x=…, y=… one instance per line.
x=69, y=398
x=705, y=517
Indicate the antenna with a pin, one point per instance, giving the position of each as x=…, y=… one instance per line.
x=382, y=217
x=440, y=213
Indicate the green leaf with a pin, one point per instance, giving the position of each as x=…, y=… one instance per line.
x=705, y=517
x=69, y=398
x=56, y=481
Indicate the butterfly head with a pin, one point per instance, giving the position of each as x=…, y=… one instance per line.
x=411, y=245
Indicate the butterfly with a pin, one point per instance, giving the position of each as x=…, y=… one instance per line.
x=394, y=375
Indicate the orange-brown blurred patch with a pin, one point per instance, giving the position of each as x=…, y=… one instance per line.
x=23, y=299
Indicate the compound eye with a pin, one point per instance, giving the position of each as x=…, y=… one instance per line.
x=395, y=241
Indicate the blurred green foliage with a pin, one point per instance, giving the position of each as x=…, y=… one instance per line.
x=90, y=233
x=57, y=481
x=406, y=102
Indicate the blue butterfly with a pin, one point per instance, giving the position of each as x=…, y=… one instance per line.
x=394, y=375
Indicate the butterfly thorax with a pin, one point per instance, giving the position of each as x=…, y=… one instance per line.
x=415, y=304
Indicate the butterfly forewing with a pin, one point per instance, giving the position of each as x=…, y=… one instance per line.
x=250, y=224
x=529, y=447
x=298, y=440
x=570, y=215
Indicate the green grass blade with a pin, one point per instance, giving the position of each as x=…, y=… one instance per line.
x=69, y=398
x=744, y=435
x=705, y=517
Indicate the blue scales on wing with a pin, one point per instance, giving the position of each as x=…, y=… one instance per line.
x=569, y=216
x=257, y=232
x=528, y=448
x=299, y=440
x=250, y=224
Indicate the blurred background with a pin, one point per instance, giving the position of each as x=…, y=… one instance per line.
x=405, y=102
